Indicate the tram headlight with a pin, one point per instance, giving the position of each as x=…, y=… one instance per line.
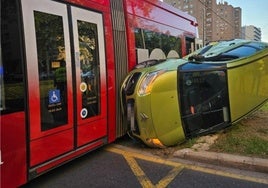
x=147, y=82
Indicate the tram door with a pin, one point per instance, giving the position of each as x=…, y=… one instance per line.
x=65, y=64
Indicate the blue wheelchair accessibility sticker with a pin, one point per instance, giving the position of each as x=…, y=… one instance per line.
x=54, y=96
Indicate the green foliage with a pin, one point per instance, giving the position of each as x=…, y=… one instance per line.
x=249, y=137
x=265, y=107
x=239, y=140
x=256, y=146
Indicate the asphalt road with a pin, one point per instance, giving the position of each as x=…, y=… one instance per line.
x=114, y=166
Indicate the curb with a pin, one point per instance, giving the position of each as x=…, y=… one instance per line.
x=242, y=162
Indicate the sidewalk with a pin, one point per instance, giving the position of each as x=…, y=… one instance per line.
x=199, y=153
x=241, y=162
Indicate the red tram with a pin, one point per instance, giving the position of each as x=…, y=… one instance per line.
x=62, y=64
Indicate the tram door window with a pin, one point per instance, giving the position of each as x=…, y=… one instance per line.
x=66, y=88
x=51, y=70
x=89, y=63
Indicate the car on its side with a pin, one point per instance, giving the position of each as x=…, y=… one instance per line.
x=168, y=101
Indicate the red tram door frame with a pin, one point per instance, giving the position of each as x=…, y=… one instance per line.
x=90, y=69
x=55, y=128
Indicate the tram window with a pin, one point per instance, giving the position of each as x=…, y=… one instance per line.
x=11, y=66
x=52, y=70
x=150, y=40
x=189, y=45
x=89, y=63
x=171, y=43
x=139, y=38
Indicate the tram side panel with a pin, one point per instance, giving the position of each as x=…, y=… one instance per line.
x=13, y=98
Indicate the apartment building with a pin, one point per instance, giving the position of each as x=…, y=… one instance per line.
x=216, y=21
x=251, y=32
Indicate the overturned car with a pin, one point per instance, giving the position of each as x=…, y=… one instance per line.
x=166, y=102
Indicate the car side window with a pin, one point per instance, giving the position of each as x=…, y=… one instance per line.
x=242, y=51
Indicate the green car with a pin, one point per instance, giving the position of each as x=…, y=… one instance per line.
x=168, y=101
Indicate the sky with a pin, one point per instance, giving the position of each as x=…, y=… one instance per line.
x=254, y=12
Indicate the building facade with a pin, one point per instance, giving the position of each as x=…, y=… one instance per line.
x=251, y=33
x=216, y=21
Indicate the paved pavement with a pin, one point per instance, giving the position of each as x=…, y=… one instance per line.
x=203, y=161
x=199, y=153
x=251, y=176
x=120, y=166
